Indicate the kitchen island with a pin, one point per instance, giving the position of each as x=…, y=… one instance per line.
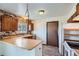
x=20, y=46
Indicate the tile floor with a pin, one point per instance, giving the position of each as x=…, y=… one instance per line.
x=50, y=51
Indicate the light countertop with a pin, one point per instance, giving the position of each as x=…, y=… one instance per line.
x=21, y=42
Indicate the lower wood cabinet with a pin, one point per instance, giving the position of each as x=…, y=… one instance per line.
x=11, y=50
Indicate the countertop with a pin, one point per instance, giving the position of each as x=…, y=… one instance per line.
x=21, y=42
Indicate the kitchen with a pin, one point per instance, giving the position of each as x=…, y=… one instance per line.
x=22, y=36
x=16, y=38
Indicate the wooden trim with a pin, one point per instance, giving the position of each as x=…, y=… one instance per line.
x=70, y=40
x=1, y=23
x=47, y=32
x=7, y=13
x=74, y=15
x=70, y=20
x=71, y=34
x=72, y=29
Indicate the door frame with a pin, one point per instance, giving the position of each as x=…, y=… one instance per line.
x=47, y=32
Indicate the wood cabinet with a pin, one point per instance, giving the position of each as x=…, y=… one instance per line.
x=14, y=24
x=0, y=23
x=9, y=23
x=6, y=23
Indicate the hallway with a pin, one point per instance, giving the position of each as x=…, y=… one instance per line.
x=50, y=51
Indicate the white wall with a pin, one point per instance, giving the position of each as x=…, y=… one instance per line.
x=40, y=28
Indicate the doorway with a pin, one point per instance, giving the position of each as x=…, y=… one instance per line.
x=52, y=33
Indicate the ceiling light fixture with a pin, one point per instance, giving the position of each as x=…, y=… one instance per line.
x=41, y=12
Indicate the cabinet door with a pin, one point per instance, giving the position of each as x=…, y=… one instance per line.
x=6, y=23
x=38, y=50
x=14, y=23
x=9, y=23
x=0, y=23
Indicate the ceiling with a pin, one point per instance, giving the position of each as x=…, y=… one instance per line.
x=51, y=9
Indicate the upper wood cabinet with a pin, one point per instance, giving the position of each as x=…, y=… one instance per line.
x=6, y=23
x=14, y=24
x=9, y=23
